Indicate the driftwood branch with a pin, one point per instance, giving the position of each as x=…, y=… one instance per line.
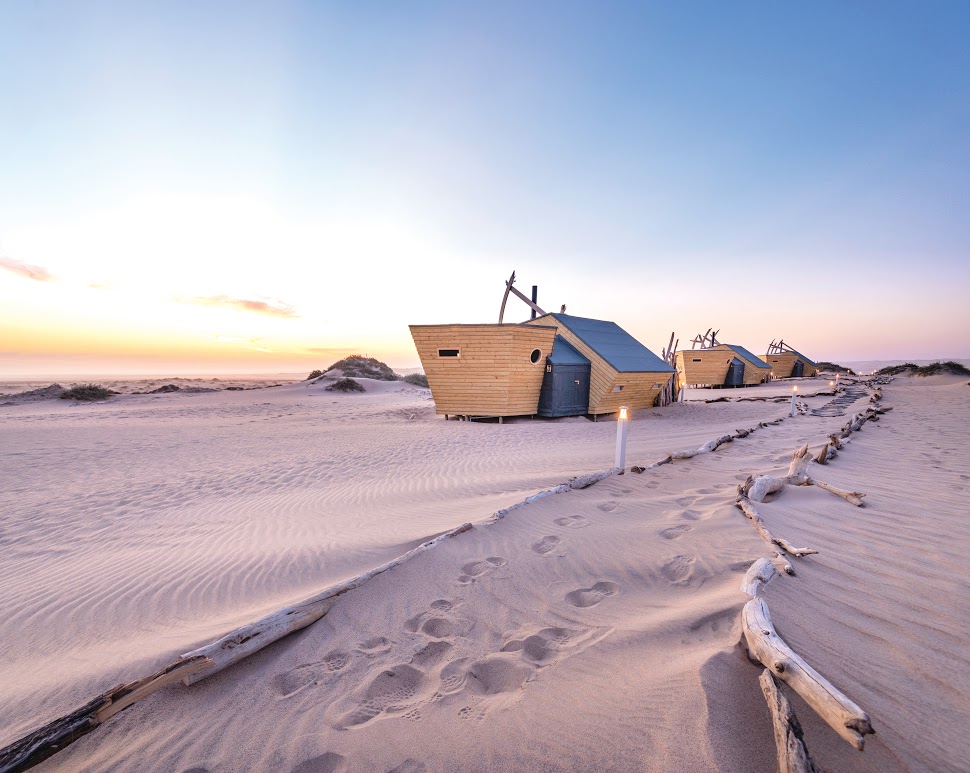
x=792, y=754
x=841, y=713
x=709, y=446
x=748, y=509
x=852, y=497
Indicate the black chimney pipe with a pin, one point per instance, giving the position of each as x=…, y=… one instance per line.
x=535, y=299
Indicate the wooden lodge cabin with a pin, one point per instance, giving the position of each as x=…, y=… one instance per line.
x=785, y=362
x=721, y=365
x=554, y=365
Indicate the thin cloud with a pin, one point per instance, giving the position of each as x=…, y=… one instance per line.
x=273, y=309
x=37, y=273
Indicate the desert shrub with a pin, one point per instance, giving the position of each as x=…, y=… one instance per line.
x=417, y=379
x=346, y=385
x=358, y=366
x=951, y=367
x=833, y=367
x=314, y=374
x=87, y=392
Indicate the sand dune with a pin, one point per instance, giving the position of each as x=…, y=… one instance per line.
x=593, y=630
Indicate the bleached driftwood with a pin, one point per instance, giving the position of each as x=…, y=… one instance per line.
x=748, y=509
x=584, y=481
x=709, y=446
x=852, y=497
x=37, y=746
x=786, y=566
x=244, y=641
x=765, y=645
x=792, y=754
x=758, y=574
x=757, y=488
x=825, y=453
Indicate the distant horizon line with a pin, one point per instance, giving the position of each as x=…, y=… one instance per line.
x=302, y=374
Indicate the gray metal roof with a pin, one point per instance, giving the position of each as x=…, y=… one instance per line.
x=564, y=353
x=752, y=358
x=622, y=352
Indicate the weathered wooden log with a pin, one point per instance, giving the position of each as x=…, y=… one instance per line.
x=852, y=497
x=244, y=641
x=792, y=753
x=786, y=566
x=797, y=469
x=758, y=574
x=757, y=489
x=709, y=446
x=724, y=399
x=748, y=509
x=841, y=713
x=37, y=746
x=585, y=481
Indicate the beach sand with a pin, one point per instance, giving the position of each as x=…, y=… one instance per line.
x=591, y=630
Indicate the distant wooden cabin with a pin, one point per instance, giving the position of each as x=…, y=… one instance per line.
x=789, y=364
x=554, y=365
x=721, y=365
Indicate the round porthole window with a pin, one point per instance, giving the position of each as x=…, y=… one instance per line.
x=536, y=354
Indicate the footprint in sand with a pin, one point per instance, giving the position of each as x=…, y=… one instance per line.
x=590, y=597
x=572, y=521
x=543, y=646
x=674, y=532
x=443, y=605
x=325, y=763
x=336, y=660
x=393, y=691
x=686, y=501
x=475, y=569
x=373, y=647
x=297, y=680
x=678, y=569
x=691, y=515
x=608, y=507
x=496, y=674
x=546, y=545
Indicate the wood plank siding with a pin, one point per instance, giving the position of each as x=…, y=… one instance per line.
x=783, y=364
x=638, y=388
x=704, y=366
x=493, y=374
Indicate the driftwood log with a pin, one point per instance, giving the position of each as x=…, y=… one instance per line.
x=37, y=746
x=766, y=646
x=758, y=575
x=190, y=668
x=791, y=751
x=244, y=641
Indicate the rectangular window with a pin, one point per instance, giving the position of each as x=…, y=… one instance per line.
x=656, y=386
x=696, y=359
x=448, y=352
x=618, y=388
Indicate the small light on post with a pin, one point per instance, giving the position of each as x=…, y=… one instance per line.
x=794, y=390
x=622, y=425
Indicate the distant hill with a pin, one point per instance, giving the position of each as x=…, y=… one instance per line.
x=358, y=366
x=950, y=367
x=832, y=367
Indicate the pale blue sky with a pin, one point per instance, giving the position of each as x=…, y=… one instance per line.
x=766, y=168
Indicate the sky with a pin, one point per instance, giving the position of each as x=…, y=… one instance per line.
x=261, y=187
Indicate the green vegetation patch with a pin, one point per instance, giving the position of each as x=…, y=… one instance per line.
x=949, y=367
x=358, y=366
x=417, y=379
x=87, y=392
x=346, y=385
x=835, y=368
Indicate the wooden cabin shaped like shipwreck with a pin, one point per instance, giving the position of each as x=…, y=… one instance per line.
x=785, y=362
x=717, y=364
x=553, y=365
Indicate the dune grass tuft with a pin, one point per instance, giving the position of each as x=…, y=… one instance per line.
x=87, y=392
x=346, y=385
